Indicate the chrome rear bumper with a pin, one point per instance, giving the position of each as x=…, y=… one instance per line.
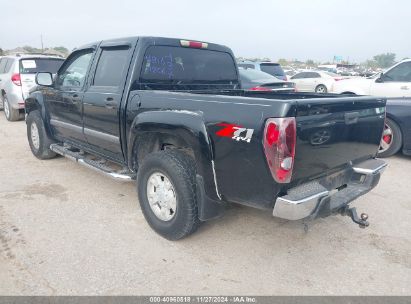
x=319, y=198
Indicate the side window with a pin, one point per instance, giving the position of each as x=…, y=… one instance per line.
x=111, y=67
x=298, y=76
x=312, y=75
x=3, y=62
x=401, y=73
x=73, y=73
x=9, y=63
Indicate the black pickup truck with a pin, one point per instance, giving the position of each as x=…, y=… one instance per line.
x=171, y=114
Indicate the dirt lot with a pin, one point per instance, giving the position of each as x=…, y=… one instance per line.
x=66, y=230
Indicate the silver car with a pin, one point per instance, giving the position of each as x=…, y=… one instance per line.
x=17, y=77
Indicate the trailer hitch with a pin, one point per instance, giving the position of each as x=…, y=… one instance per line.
x=352, y=213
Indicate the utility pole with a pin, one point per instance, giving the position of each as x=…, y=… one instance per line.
x=41, y=39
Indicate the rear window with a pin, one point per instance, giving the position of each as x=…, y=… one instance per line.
x=32, y=66
x=179, y=66
x=272, y=69
x=256, y=75
x=246, y=65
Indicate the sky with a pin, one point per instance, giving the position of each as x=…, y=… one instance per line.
x=291, y=29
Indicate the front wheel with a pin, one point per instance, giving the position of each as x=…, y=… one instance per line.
x=37, y=136
x=166, y=187
x=391, y=140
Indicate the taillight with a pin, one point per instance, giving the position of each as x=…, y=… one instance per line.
x=279, y=147
x=260, y=89
x=15, y=78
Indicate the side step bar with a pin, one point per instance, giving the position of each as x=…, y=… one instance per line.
x=99, y=165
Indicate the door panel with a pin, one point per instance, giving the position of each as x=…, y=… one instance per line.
x=102, y=100
x=396, y=82
x=65, y=98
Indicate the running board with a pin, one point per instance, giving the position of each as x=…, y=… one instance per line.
x=90, y=161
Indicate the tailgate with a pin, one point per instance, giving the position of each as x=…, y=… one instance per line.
x=333, y=131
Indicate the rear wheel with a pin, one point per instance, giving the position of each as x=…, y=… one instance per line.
x=38, y=139
x=321, y=89
x=10, y=113
x=391, y=140
x=166, y=188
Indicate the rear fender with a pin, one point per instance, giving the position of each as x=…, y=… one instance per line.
x=187, y=130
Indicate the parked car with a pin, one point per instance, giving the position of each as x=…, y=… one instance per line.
x=271, y=68
x=315, y=81
x=259, y=81
x=170, y=114
x=395, y=82
x=17, y=73
x=397, y=131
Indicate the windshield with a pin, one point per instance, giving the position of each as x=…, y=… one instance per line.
x=178, y=65
x=35, y=65
x=272, y=69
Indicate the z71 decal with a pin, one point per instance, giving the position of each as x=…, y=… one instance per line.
x=235, y=132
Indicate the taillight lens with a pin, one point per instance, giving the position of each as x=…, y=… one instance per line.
x=15, y=78
x=279, y=147
x=260, y=89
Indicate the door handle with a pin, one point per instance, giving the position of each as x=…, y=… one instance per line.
x=75, y=98
x=404, y=88
x=110, y=103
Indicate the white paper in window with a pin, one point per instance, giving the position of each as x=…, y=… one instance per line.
x=28, y=64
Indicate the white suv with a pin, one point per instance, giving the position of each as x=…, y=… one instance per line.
x=395, y=82
x=17, y=75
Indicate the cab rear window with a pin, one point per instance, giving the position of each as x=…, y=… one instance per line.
x=180, y=66
x=32, y=66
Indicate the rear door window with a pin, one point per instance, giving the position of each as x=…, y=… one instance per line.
x=165, y=65
x=8, y=65
x=312, y=75
x=35, y=65
x=111, y=67
x=272, y=69
x=3, y=62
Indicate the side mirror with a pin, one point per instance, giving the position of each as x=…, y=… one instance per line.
x=380, y=78
x=44, y=79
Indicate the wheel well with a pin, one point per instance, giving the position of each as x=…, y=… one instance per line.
x=31, y=105
x=394, y=120
x=150, y=142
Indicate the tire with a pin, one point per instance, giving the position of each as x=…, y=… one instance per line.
x=179, y=169
x=38, y=139
x=321, y=89
x=10, y=113
x=391, y=141
x=1, y=103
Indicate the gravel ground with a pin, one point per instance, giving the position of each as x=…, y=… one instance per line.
x=67, y=230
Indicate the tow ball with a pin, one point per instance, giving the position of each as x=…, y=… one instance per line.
x=352, y=213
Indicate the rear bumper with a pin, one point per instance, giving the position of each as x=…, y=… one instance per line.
x=329, y=194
